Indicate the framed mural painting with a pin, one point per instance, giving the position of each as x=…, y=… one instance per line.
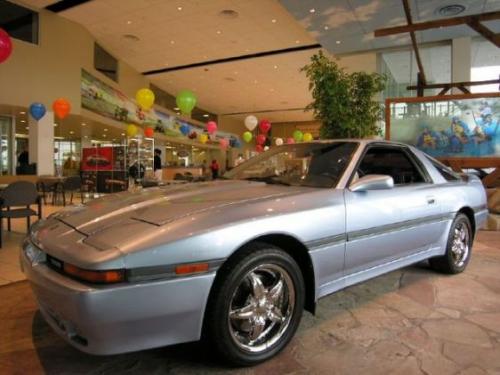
x=448, y=127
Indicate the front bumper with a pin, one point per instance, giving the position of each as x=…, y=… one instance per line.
x=119, y=318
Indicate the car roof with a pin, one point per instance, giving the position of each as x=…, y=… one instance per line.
x=363, y=141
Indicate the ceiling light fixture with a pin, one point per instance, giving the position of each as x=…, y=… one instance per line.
x=55, y=125
x=338, y=42
x=123, y=134
x=22, y=113
x=105, y=130
x=71, y=132
x=219, y=32
x=274, y=20
x=84, y=124
x=131, y=37
x=104, y=135
x=23, y=121
x=27, y=128
x=450, y=10
x=326, y=27
x=297, y=41
x=312, y=10
x=179, y=8
x=206, y=115
x=276, y=67
x=172, y=42
x=228, y=13
x=176, y=108
x=129, y=22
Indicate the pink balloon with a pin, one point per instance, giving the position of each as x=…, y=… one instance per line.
x=223, y=143
x=5, y=45
x=261, y=139
x=290, y=141
x=259, y=148
x=211, y=127
x=264, y=126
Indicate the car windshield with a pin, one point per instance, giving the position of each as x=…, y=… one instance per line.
x=307, y=164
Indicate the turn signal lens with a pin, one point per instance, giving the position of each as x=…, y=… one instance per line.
x=112, y=276
x=191, y=268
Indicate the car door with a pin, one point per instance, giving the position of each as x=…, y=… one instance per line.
x=385, y=225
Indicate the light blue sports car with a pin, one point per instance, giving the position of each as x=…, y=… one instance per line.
x=238, y=259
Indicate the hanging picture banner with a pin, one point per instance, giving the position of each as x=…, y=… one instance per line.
x=109, y=102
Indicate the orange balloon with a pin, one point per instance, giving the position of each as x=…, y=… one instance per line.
x=61, y=108
x=149, y=132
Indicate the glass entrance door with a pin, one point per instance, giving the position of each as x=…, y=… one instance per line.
x=6, y=143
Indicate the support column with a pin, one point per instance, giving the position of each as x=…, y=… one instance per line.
x=460, y=61
x=41, y=143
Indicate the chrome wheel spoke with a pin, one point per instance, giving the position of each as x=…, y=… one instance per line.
x=245, y=312
x=276, y=292
x=258, y=326
x=275, y=315
x=258, y=288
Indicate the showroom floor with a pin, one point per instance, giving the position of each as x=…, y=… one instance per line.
x=412, y=321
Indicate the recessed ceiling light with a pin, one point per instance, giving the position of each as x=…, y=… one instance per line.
x=105, y=130
x=254, y=81
x=276, y=67
x=23, y=121
x=129, y=22
x=131, y=37
x=206, y=115
x=84, y=124
x=22, y=113
x=179, y=8
x=326, y=27
x=27, y=128
x=55, y=125
x=104, y=135
x=219, y=32
x=312, y=10
x=172, y=42
x=297, y=41
x=338, y=42
x=72, y=132
x=273, y=20
x=178, y=113
x=123, y=134
x=176, y=108
x=86, y=136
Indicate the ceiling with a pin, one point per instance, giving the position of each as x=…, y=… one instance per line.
x=347, y=26
x=172, y=33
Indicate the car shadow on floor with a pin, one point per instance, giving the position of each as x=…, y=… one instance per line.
x=56, y=356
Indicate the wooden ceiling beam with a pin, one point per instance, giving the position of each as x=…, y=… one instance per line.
x=490, y=16
x=476, y=25
x=456, y=84
x=406, y=6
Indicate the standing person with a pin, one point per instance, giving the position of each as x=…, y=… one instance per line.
x=157, y=164
x=214, y=167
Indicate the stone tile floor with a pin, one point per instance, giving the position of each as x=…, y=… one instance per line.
x=411, y=321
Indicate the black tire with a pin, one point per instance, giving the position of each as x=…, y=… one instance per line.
x=238, y=275
x=450, y=263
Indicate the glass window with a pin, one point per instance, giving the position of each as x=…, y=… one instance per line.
x=20, y=22
x=105, y=63
x=485, y=65
x=446, y=172
x=393, y=162
x=314, y=164
x=401, y=69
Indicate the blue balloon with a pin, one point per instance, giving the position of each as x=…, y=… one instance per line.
x=185, y=129
x=37, y=110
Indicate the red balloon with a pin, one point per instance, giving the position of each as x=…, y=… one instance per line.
x=264, y=126
x=261, y=139
x=290, y=141
x=5, y=45
x=149, y=132
x=61, y=108
x=259, y=148
x=211, y=127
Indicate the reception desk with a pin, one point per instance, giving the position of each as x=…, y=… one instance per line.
x=168, y=173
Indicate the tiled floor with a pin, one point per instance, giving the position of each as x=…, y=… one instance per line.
x=411, y=321
x=9, y=253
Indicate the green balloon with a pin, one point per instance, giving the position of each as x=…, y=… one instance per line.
x=247, y=136
x=186, y=101
x=298, y=136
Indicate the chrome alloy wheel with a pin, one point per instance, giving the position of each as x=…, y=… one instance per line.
x=261, y=308
x=460, y=244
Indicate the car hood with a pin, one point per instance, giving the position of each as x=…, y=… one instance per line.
x=159, y=206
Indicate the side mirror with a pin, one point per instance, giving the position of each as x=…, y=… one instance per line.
x=373, y=182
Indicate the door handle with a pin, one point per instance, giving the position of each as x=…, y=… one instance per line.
x=431, y=200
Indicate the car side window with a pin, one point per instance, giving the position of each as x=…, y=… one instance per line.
x=390, y=161
x=446, y=172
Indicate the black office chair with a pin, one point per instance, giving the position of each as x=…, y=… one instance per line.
x=72, y=184
x=15, y=202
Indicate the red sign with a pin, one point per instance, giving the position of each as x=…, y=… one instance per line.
x=97, y=159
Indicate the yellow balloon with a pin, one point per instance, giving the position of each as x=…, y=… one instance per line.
x=203, y=138
x=145, y=98
x=307, y=137
x=131, y=130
